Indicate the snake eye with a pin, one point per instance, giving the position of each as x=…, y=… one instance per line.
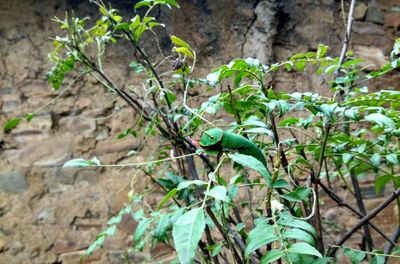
x=211, y=136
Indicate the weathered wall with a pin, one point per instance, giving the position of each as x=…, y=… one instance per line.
x=48, y=215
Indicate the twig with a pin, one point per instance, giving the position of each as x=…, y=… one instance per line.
x=389, y=246
x=365, y=219
x=345, y=127
x=341, y=203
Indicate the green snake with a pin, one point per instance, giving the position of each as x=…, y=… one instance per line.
x=216, y=139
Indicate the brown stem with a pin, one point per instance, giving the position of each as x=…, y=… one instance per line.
x=389, y=247
x=148, y=64
x=315, y=179
x=223, y=233
x=340, y=202
x=345, y=126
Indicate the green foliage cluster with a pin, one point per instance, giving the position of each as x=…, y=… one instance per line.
x=297, y=142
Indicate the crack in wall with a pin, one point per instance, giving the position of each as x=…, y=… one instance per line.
x=249, y=27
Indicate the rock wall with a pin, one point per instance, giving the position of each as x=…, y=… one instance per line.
x=49, y=215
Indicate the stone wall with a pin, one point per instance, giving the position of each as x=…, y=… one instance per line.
x=49, y=215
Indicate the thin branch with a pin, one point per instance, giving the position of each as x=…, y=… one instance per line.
x=341, y=203
x=347, y=36
x=389, y=246
x=365, y=219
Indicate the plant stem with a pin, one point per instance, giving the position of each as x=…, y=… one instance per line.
x=389, y=246
x=365, y=219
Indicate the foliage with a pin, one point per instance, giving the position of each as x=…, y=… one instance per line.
x=295, y=142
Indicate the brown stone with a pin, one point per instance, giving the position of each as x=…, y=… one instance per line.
x=374, y=57
x=38, y=129
x=13, y=181
x=368, y=28
x=114, y=243
x=75, y=257
x=79, y=125
x=63, y=246
x=375, y=15
x=161, y=249
x=16, y=247
x=360, y=11
x=3, y=242
x=128, y=224
x=392, y=20
x=36, y=87
x=50, y=152
x=11, y=103
x=114, y=145
x=87, y=223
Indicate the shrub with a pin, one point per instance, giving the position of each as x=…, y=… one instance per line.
x=249, y=189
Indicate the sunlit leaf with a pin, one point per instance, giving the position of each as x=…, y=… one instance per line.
x=187, y=232
x=304, y=249
x=261, y=235
x=11, y=124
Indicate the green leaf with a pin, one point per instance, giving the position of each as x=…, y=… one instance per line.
x=180, y=43
x=271, y=256
x=376, y=160
x=143, y=3
x=291, y=196
x=261, y=235
x=355, y=256
x=161, y=227
x=29, y=117
x=322, y=49
x=136, y=66
x=299, y=234
x=346, y=157
x=331, y=68
x=11, y=124
x=184, y=51
x=392, y=158
x=77, y=163
x=138, y=32
x=381, y=181
x=215, y=249
x=381, y=120
x=324, y=260
x=289, y=121
x=185, y=184
x=292, y=222
x=213, y=78
x=304, y=249
x=377, y=260
x=169, y=195
x=219, y=193
x=280, y=183
x=253, y=163
x=187, y=232
x=299, y=65
x=141, y=229
x=123, y=26
x=259, y=130
x=352, y=62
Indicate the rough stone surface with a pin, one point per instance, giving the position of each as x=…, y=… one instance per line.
x=261, y=32
x=50, y=215
x=360, y=11
x=374, y=57
x=375, y=15
x=392, y=19
x=13, y=181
